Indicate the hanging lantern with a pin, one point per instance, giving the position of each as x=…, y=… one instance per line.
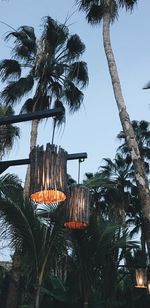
x=77, y=211
x=148, y=286
x=48, y=174
x=141, y=278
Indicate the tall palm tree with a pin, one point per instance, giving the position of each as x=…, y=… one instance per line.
x=8, y=133
x=49, y=66
x=106, y=11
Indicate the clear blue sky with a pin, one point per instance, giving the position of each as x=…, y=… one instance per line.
x=94, y=128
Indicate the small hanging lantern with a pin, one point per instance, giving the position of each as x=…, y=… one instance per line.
x=148, y=286
x=48, y=174
x=77, y=211
x=141, y=278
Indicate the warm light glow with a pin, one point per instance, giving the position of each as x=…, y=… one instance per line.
x=77, y=209
x=48, y=177
x=140, y=278
x=148, y=287
x=48, y=196
x=75, y=225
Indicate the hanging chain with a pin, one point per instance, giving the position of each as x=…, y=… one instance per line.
x=79, y=166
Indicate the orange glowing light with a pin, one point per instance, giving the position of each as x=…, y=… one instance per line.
x=75, y=225
x=148, y=287
x=140, y=278
x=48, y=196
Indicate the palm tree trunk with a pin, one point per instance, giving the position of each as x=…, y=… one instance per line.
x=37, y=299
x=33, y=140
x=143, y=246
x=139, y=168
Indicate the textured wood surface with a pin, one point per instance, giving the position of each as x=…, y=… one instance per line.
x=48, y=171
x=77, y=208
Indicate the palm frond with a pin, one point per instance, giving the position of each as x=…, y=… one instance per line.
x=29, y=31
x=10, y=185
x=59, y=119
x=24, y=43
x=17, y=89
x=74, y=97
x=9, y=69
x=17, y=216
x=98, y=180
x=128, y=4
x=8, y=135
x=75, y=47
x=54, y=33
x=78, y=73
x=6, y=110
x=55, y=89
x=95, y=14
x=27, y=106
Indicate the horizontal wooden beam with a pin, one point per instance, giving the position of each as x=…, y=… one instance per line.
x=31, y=116
x=26, y=161
x=77, y=156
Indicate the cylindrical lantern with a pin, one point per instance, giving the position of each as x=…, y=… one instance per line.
x=77, y=209
x=48, y=179
x=141, y=279
x=148, y=286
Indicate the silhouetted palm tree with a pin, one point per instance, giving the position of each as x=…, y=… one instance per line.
x=50, y=67
x=96, y=255
x=106, y=11
x=39, y=243
x=142, y=132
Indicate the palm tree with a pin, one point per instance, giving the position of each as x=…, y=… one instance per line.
x=52, y=69
x=119, y=172
x=96, y=255
x=106, y=11
x=142, y=132
x=8, y=133
x=40, y=244
x=111, y=186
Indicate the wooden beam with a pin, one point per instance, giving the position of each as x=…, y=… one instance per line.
x=31, y=116
x=18, y=162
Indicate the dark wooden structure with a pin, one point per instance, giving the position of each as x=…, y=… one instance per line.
x=31, y=116
x=48, y=174
x=77, y=208
x=18, y=162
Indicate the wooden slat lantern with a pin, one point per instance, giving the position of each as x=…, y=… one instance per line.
x=141, y=279
x=48, y=174
x=77, y=209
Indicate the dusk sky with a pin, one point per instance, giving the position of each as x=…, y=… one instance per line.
x=94, y=127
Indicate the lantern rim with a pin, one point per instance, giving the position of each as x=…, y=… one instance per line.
x=48, y=196
x=75, y=225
